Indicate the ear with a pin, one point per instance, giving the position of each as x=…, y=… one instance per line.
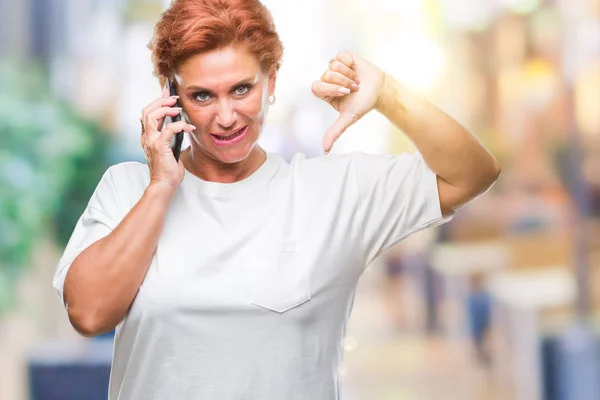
x=272, y=82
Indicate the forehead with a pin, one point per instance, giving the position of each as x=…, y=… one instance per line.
x=219, y=69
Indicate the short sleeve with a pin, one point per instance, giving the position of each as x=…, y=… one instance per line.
x=100, y=217
x=398, y=197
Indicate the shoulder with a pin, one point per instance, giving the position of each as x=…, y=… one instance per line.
x=128, y=172
x=398, y=167
x=128, y=180
x=405, y=159
x=323, y=166
x=356, y=162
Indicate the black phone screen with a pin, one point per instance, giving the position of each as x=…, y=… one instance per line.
x=178, y=140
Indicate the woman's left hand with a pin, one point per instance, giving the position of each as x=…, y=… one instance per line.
x=352, y=86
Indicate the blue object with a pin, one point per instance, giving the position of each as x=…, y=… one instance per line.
x=70, y=371
x=479, y=306
x=571, y=365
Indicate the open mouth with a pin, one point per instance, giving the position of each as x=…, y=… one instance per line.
x=233, y=138
x=229, y=137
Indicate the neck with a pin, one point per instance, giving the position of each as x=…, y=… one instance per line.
x=208, y=168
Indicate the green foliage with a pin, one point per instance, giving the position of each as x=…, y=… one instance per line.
x=51, y=159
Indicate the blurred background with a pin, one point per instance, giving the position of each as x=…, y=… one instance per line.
x=501, y=303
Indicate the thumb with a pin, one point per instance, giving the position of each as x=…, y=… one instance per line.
x=336, y=130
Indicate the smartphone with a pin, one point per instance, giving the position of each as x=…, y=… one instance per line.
x=177, y=140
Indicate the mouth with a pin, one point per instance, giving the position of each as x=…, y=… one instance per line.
x=230, y=139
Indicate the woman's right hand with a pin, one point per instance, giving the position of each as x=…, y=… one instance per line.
x=155, y=140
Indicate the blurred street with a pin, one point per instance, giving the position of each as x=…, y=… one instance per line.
x=501, y=303
x=386, y=362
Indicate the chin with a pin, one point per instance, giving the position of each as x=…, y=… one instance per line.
x=234, y=154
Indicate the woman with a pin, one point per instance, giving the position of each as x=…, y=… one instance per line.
x=231, y=273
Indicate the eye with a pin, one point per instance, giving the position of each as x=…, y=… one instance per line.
x=201, y=96
x=241, y=90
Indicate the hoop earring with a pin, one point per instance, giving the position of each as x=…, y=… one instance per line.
x=272, y=101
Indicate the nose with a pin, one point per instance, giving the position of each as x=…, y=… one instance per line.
x=226, y=115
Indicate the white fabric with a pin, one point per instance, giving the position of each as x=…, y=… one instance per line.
x=250, y=289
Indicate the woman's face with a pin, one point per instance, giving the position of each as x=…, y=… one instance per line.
x=225, y=95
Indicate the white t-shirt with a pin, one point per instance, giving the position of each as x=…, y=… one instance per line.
x=252, y=283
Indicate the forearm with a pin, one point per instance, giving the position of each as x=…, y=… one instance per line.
x=104, y=279
x=452, y=152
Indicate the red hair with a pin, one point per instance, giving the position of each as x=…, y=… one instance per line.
x=189, y=27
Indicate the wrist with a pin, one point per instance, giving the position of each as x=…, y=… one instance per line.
x=160, y=191
x=385, y=94
x=394, y=102
x=388, y=95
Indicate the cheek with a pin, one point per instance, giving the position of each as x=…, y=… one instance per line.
x=200, y=118
x=252, y=108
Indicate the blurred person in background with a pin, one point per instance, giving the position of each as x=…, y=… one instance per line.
x=231, y=273
x=479, y=307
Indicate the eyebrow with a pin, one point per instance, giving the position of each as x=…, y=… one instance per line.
x=247, y=81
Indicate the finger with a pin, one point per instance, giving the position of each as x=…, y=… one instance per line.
x=338, y=66
x=336, y=130
x=337, y=78
x=175, y=127
x=158, y=103
x=156, y=118
x=160, y=113
x=323, y=89
x=346, y=57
